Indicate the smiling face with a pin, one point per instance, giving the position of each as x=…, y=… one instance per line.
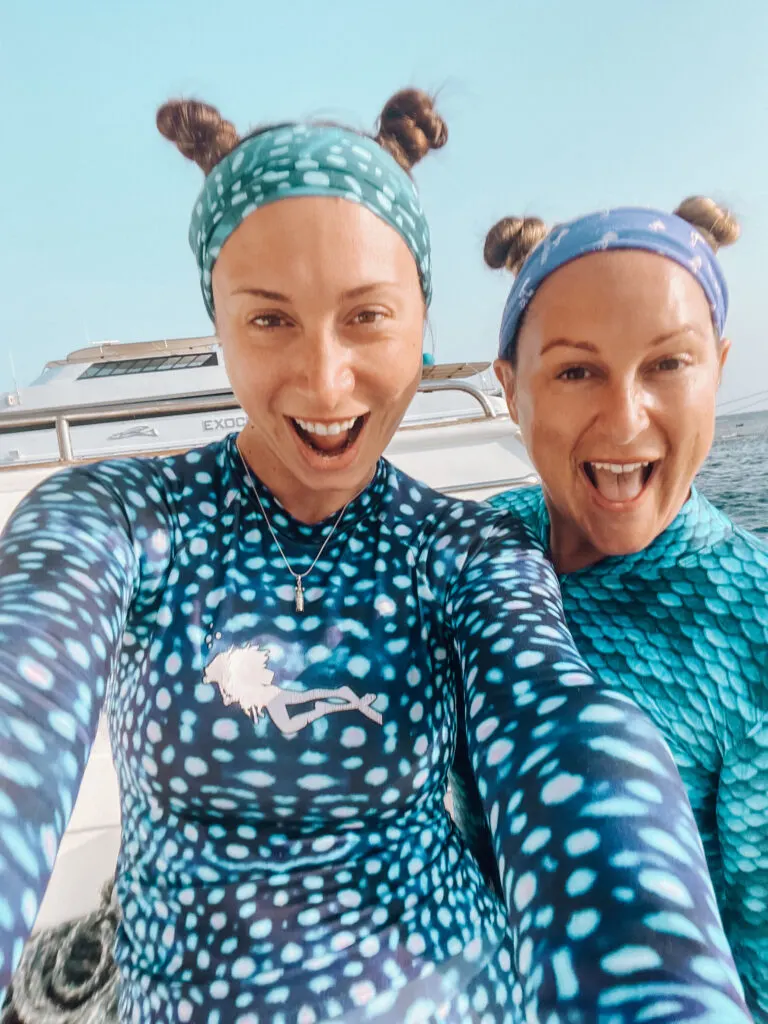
x=614, y=390
x=320, y=314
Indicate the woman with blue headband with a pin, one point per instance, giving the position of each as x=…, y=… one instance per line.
x=611, y=350
x=285, y=632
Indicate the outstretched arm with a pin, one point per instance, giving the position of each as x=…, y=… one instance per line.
x=70, y=567
x=599, y=859
x=742, y=826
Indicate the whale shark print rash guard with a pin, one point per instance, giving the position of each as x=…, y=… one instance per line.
x=683, y=628
x=286, y=853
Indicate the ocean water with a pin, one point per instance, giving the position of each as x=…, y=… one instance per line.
x=735, y=476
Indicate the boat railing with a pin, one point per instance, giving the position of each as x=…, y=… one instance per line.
x=62, y=418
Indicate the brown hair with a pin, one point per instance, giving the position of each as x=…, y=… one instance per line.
x=511, y=240
x=716, y=223
x=198, y=131
x=409, y=126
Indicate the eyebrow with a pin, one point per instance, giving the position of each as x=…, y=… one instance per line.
x=351, y=293
x=587, y=346
x=565, y=343
x=364, y=289
x=262, y=293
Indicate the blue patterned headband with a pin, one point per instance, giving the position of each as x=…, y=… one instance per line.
x=305, y=160
x=621, y=228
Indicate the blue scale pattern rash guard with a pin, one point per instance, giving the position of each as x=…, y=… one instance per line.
x=683, y=628
x=286, y=854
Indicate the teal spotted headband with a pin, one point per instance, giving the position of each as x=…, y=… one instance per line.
x=305, y=160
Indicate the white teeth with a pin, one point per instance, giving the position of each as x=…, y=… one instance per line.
x=326, y=429
x=620, y=467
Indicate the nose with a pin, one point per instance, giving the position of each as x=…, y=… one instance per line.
x=624, y=412
x=327, y=372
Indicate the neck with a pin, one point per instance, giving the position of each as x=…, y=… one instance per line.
x=570, y=551
x=304, y=505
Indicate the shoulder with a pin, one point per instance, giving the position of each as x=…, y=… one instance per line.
x=751, y=547
x=170, y=479
x=720, y=586
x=524, y=502
x=739, y=556
x=467, y=522
x=738, y=564
x=140, y=495
x=113, y=487
x=467, y=550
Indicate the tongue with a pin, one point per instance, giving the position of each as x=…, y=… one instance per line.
x=329, y=443
x=618, y=486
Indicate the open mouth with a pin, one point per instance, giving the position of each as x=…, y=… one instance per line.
x=329, y=438
x=619, y=481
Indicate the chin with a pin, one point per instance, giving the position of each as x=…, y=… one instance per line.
x=624, y=542
x=356, y=475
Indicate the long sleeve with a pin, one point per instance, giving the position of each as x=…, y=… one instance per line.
x=70, y=567
x=600, y=864
x=742, y=825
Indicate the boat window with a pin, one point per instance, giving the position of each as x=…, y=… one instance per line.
x=123, y=367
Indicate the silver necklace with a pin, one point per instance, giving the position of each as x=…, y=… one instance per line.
x=298, y=577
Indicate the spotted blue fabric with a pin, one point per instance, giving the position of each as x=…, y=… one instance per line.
x=683, y=628
x=621, y=228
x=306, y=160
x=287, y=857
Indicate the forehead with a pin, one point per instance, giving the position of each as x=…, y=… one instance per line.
x=331, y=235
x=645, y=292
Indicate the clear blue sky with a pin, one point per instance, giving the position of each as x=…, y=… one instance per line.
x=554, y=108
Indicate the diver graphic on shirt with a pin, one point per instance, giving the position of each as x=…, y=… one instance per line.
x=243, y=677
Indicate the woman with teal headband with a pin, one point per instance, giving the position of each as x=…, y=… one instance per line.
x=285, y=631
x=611, y=349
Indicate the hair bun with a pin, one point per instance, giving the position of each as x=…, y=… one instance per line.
x=198, y=131
x=718, y=225
x=511, y=240
x=409, y=127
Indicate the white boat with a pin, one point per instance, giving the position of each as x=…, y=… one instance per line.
x=114, y=400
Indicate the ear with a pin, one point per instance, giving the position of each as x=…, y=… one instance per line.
x=507, y=377
x=725, y=348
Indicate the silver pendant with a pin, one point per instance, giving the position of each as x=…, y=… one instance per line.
x=299, y=592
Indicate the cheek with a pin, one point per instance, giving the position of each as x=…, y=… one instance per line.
x=690, y=416
x=393, y=397
x=526, y=401
x=394, y=373
x=236, y=366
x=549, y=429
x=252, y=377
x=230, y=362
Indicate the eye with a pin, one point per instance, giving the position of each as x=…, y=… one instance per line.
x=671, y=363
x=574, y=373
x=268, y=321
x=368, y=316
